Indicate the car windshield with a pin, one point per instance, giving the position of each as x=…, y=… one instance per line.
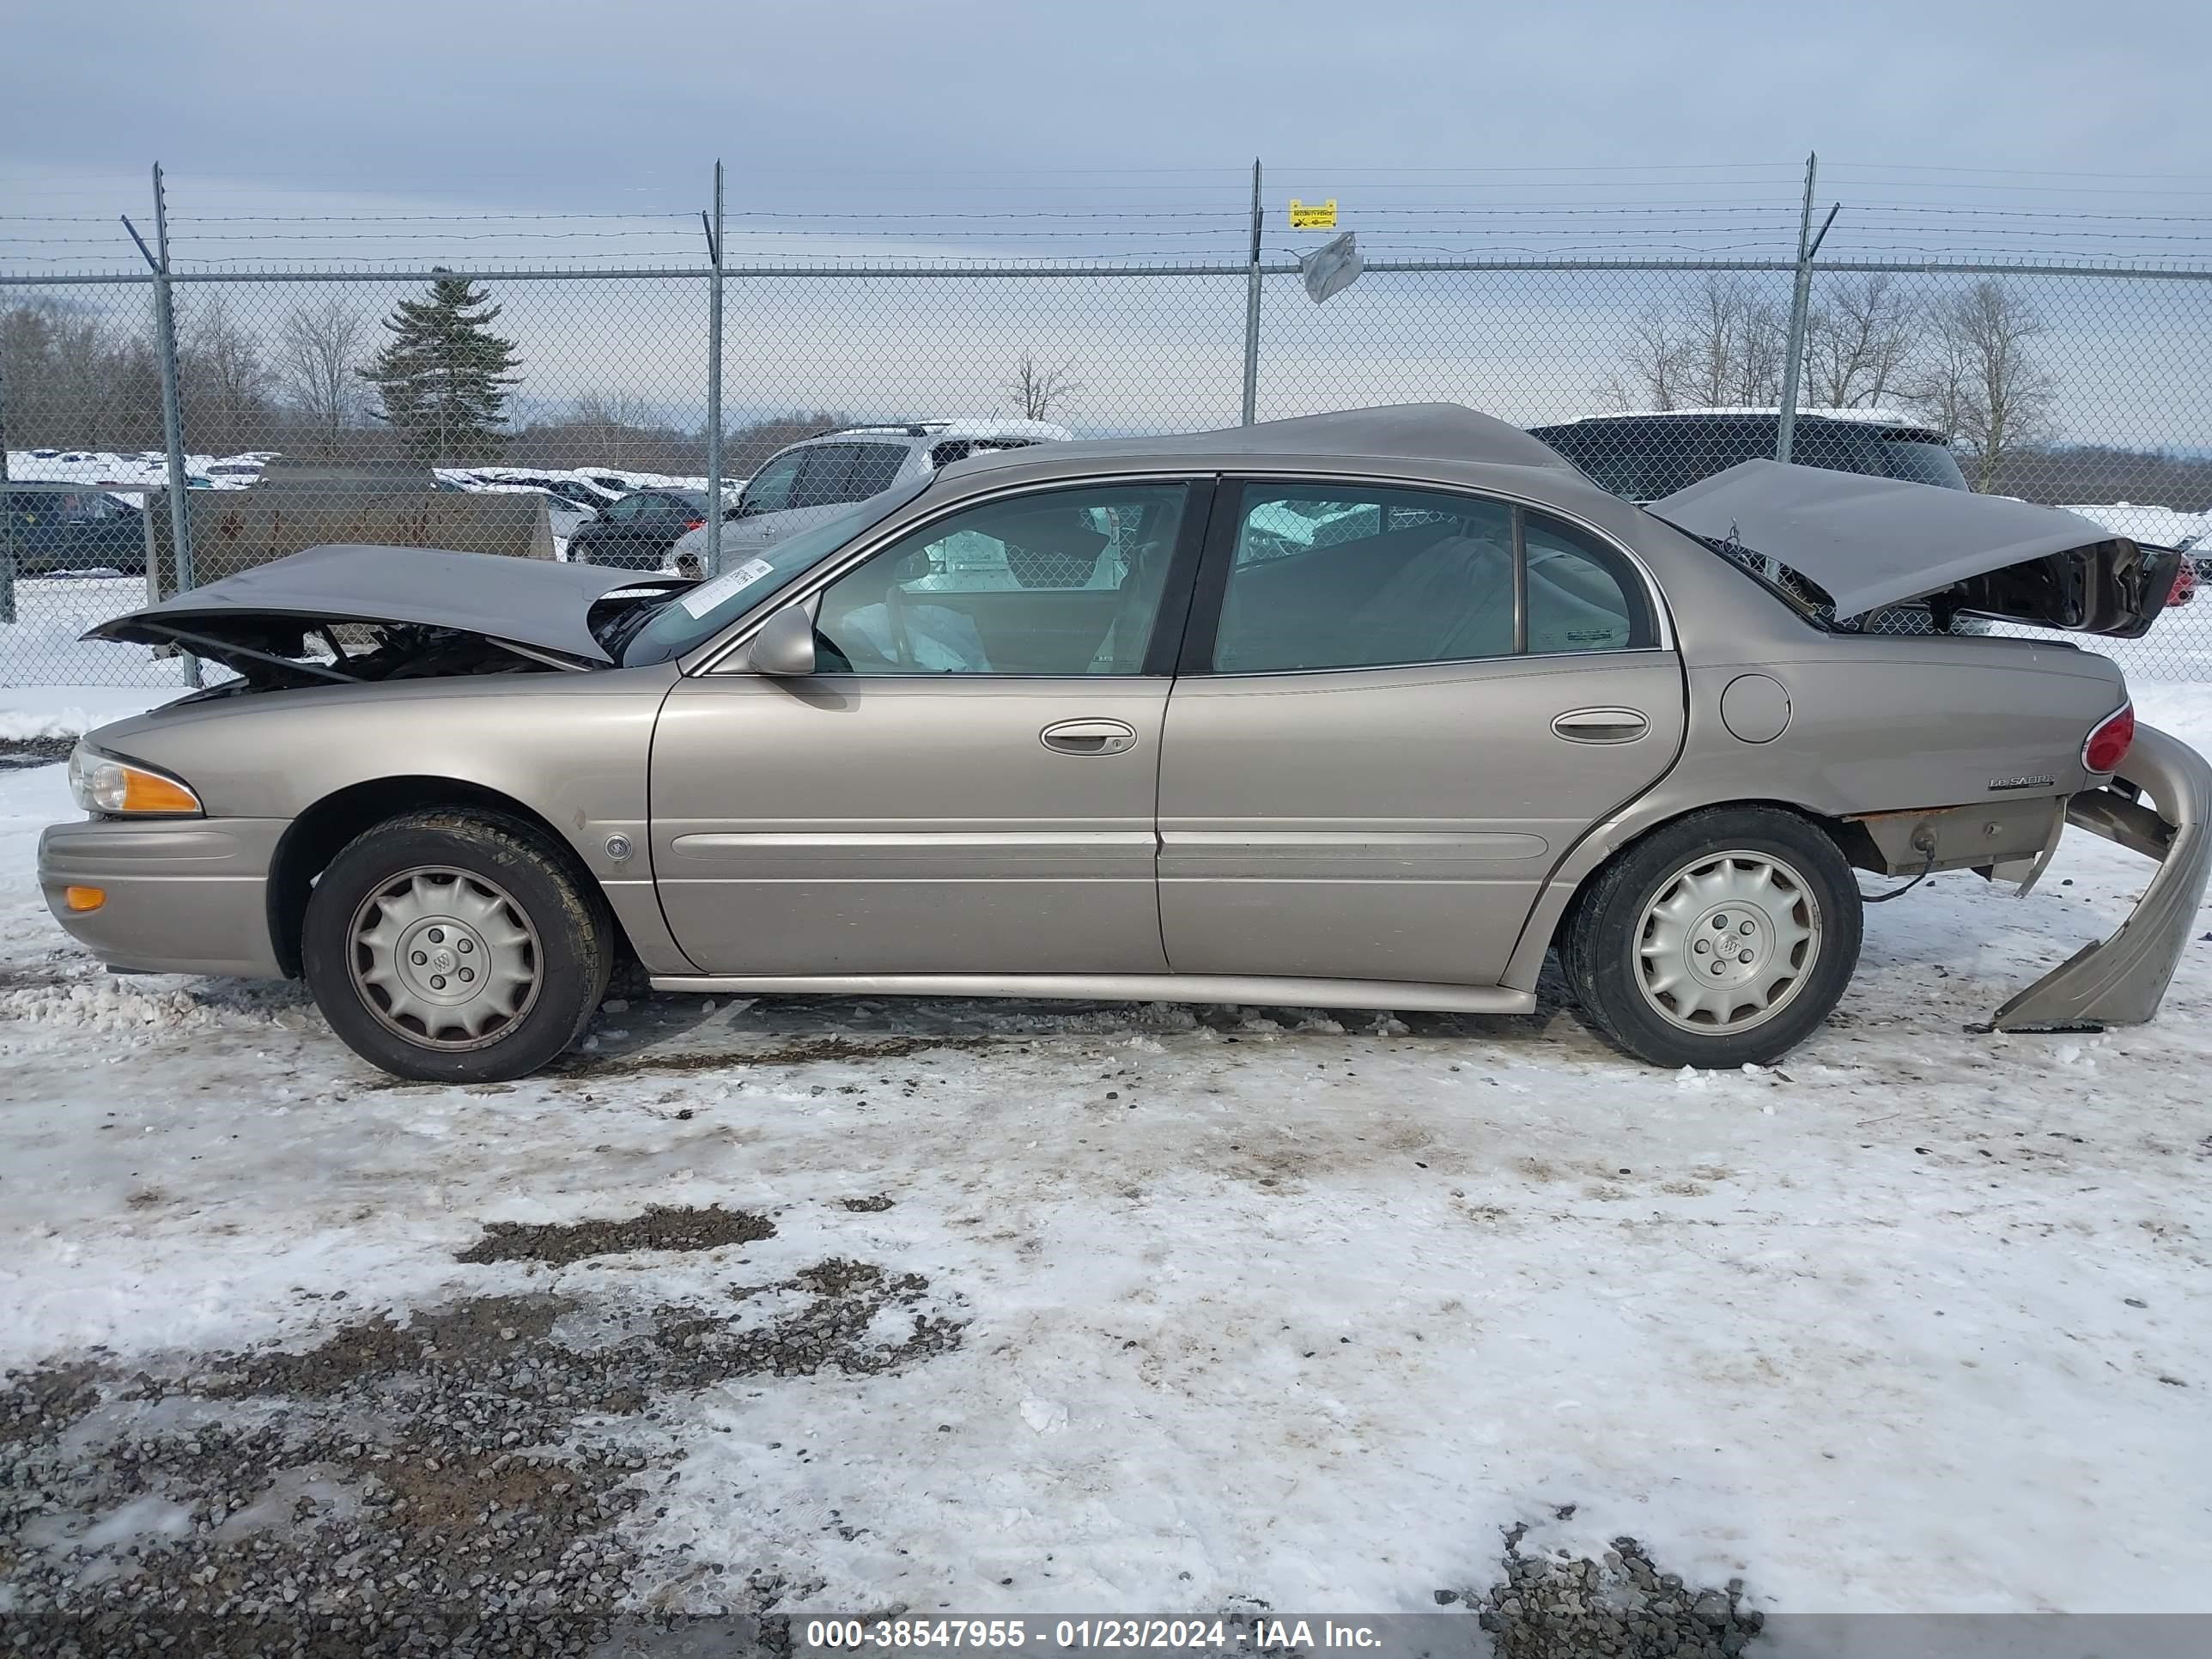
x=1923, y=462
x=691, y=618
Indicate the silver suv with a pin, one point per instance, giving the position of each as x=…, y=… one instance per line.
x=812, y=479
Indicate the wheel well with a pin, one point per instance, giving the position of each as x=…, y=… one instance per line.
x=318, y=834
x=1850, y=840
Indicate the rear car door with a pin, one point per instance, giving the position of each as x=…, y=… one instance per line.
x=1397, y=709
x=970, y=782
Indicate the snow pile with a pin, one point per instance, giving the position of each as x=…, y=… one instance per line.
x=139, y=1005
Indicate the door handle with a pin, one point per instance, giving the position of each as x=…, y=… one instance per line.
x=1090, y=737
x=1601, y=726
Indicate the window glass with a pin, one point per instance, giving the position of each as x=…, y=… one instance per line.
x=1067, y=582
x=769, y=490
x=622, y=512
x=1351, y=577
x=825, y=476
x=1583, y=595
x=1355, y=577
x=874, y=467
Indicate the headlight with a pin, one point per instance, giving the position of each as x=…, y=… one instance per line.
x=121, y=788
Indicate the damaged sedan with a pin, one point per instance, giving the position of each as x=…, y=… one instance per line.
x=1373, y=709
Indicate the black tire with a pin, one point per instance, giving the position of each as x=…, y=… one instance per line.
x=1604, y=938
x=483, y=858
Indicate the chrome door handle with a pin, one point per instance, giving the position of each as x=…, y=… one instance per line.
x=1090, y=737
x=1601, y=726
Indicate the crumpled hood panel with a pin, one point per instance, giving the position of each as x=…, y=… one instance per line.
x=528, y=601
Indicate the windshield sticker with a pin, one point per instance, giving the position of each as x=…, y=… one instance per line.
x=710, y=595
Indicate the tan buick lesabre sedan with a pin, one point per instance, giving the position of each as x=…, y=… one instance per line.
x=1367, y=709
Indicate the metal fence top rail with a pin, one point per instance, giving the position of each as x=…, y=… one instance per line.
x=1208, y=268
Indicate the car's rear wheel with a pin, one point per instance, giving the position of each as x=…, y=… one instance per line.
x=453, y=947
x=1722, y=939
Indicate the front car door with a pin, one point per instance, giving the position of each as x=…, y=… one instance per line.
x=1398, y=708
x=969, y=783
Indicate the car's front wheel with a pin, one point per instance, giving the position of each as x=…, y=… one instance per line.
x=1721, y=940
x=448, y=946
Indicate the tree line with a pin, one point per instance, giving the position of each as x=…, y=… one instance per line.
x=435, y=379
x=1967, y=362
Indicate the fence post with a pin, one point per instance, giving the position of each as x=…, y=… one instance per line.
x=172, y=421
x=1800, y=301
x=7, y=513
x=1252, y=309
x=714, y=384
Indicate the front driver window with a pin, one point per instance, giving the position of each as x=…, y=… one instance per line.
x=1063, y=583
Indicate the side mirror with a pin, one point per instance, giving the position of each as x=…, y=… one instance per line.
x=785, y=645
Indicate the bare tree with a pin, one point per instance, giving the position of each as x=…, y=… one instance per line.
x=1038, y=390
x=319, y=349
x=1980, y=383
x=1654, y=354
x=1720, y=346
x=223, y=381
x=1859, y=335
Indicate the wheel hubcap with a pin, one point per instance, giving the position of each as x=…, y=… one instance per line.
x=1726, y=942
x=444, y=958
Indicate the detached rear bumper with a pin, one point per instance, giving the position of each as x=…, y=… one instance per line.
x=181, y=895
x=2121, y=981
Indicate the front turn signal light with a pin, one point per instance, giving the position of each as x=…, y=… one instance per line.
x=115, y=787
x=82, y=899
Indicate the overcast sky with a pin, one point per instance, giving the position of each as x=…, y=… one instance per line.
x=558, y=104
x=938, y=129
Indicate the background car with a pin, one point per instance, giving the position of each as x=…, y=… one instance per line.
x=811, y=480
x=637, y=531
x=1641, y=457
x=51, y=531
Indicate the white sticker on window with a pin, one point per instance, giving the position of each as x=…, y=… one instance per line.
x=709, y=594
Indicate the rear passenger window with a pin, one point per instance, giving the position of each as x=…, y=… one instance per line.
x=1363, y=577
x=1583, y=595
x=825, y=476
x=875, y=467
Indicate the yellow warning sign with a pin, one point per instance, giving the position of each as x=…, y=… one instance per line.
x=1313, y=215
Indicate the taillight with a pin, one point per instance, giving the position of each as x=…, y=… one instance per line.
x=696, y=523
x=2108, y=744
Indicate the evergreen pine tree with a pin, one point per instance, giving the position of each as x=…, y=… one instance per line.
x=442, y=379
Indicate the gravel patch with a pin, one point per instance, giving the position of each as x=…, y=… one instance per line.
x=452, y=1483
x=1558, y=1607
x=18, y=752
x=663, y=1227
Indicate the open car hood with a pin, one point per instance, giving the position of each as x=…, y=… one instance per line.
x=1873, y=542
x=529, y=603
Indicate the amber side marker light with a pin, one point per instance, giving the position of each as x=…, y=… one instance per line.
x=146, y=791
x=84, y=898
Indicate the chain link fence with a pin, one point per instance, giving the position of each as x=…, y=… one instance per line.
x=564, y=413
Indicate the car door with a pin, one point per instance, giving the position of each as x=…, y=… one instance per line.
x=1384, y=735
x=607, y=538
x=969, y=784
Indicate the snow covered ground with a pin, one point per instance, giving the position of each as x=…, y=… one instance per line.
x=1248, y=1303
